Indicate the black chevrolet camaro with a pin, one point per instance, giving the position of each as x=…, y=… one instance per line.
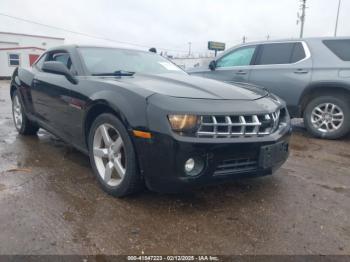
x=144, y=121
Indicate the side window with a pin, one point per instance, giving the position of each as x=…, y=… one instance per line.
x=41, y=61
x=340, y=47
x=64, y=58
x=14, y=59
x=275, y=54
x=298, y=53
x=239, y=57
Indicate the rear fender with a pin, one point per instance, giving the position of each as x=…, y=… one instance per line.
x=320, y=88
x=22, y=80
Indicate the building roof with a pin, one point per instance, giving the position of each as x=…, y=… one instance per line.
x=11, y=43
x=38, y=36
x=22, y=47
x=72, y=46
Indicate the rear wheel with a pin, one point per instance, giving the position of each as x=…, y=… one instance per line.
x=328, y=117
x=113, y=157
x=23, y=125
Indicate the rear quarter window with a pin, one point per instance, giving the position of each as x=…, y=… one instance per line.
x=280, y=53
x=298, y=53
x=339, y=47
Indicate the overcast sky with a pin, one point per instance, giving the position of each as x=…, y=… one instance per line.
x=172, y=24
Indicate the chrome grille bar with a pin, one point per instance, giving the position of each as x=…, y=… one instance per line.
x=238, y=126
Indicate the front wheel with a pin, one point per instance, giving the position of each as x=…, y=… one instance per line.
x=112, y=156
x=23, y=125
x=328, y=117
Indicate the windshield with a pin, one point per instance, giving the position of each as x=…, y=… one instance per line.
x=108, y=60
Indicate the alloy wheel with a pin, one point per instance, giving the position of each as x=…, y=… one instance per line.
x=109, y=155
x=17, y=112
x=327, y=117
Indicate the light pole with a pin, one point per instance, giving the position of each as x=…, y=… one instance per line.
x=336, y=21
x=302, y=17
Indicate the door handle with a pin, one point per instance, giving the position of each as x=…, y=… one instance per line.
x=241, y=72
x=301, y=71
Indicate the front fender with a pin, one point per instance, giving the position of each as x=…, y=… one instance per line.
x=130, y=107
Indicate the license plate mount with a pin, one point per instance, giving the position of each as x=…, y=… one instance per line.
x=270, y=155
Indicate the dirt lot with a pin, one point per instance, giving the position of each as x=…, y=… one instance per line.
x=50, y=203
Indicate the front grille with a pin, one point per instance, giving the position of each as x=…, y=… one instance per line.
x=236, y=166
x=239, y=125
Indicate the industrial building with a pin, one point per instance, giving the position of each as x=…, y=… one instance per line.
x=191, y=62
x=22, y=50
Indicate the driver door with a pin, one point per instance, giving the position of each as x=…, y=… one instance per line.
x=235, y=66
x=50, y=92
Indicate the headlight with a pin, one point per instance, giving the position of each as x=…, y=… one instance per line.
x=183, y=123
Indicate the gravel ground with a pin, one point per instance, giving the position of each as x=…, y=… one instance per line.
x=51, y=204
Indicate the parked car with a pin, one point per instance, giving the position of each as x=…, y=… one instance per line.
x=143, y=120
x=312, y=75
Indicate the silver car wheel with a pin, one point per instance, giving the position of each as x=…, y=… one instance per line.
x=17, y=112
x=327, y=117
x=109, y=155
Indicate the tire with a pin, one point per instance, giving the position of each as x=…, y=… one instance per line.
x=23, y=125
x=110, y=157
x=313, y=116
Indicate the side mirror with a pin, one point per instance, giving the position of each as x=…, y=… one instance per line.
x=58, y=68
x=212, y=65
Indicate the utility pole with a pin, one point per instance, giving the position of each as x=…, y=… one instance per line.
x=336, y=22
x=301, y=18
x=189, y=48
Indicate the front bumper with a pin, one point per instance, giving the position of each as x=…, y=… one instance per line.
x=162, y=159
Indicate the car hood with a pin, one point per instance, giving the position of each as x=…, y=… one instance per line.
x=186, y=86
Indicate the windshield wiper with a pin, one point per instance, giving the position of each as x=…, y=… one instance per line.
x=116, y=73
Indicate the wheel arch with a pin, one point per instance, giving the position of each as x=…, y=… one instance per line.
x=12, y=90
x=322, y=88
x=15, y=81
x=97, y=108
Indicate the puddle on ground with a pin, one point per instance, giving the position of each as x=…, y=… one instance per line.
x=68, y=216
x=298, y=147
x=2, y=187
x=342, y=154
